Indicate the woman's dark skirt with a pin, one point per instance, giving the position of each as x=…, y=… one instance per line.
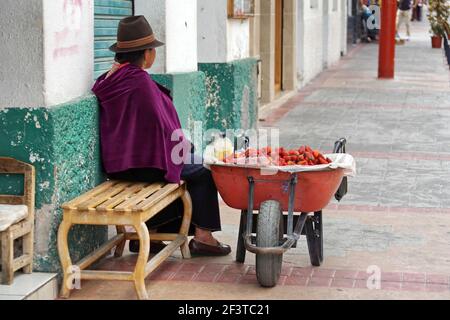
x=201, y=187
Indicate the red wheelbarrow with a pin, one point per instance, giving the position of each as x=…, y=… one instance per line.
x=270, y=233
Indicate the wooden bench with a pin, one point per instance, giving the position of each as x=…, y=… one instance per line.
x=123, y=204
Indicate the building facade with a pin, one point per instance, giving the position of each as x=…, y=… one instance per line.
x=220, y=63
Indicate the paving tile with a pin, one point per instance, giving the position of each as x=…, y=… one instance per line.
x=191, y=267
x=345, y=274
x=438, y=279
x=305, y=272
x=323, y=273
x=342, y=283
x=214, y=267
x=229, y=278
x=296, y=281
x=391, y=276
x=183, y=276
x=206, y=276
x=432, y=287
x=414, y=277
x=413, y=286
x=319, y=282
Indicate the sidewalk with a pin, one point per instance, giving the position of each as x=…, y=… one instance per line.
x=396, y=215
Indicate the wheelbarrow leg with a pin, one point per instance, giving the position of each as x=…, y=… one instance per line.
x=240, y=250
x=314, y=237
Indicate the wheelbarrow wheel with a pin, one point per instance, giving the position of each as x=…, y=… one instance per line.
x=314, y=237
x=268, y=234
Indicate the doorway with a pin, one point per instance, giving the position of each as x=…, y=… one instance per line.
x=279, y=19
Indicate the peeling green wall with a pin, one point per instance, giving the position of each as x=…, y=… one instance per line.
x=62, y=143
x=232, y=101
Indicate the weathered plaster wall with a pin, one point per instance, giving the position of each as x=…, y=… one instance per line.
x=68, y=49
x=321, y=36
x=21, y=49
x=221, y=39
x=181, y=35
x=212, y=31
x=62, y=143
x=175, y=23
x=231, y=94
x=238, y=39
x=335, y=33
x=310, y=41
x=155, y=12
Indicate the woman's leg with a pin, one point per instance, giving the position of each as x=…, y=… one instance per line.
x=205, y=202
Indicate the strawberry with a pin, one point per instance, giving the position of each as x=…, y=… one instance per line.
x=302, y=150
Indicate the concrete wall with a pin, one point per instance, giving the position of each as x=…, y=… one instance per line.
x=310, y=41
x=334, y=32
x=21, y=49
x=62, y=142
x=181, y=35
x=321, y=36
x=68, y=48
x=175, y=23
x=47, y=51
x=155, y=12
x=221, y=39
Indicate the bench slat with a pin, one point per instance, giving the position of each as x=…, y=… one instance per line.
x=142, y=195
x=121, y=197
x=104, y=186
x=104, y=196
x=156, y=197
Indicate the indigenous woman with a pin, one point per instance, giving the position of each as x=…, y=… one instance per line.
x=137, y=124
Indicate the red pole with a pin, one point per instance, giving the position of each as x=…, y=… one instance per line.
x=386, y=60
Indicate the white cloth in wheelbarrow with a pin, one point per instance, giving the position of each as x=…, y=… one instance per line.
x=340, y=160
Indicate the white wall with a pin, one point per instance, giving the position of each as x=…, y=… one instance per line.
x=310, y=41
x=335, y=33
x=21, y=51
x=221, y=39
x=68, y=49
x=321, y=37
x=181, y=35
x=175, y=23
x=238, y=39
x=155, y=12
x=47, y=51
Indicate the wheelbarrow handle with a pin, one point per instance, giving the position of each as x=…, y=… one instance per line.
x=339, y=146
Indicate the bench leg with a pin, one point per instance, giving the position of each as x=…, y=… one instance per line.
x=119, y=249
x=28, y=249
x=185, y=225
x=7, y=258
x=139, y=272
x=64, y=256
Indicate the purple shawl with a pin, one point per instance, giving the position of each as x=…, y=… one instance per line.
x=137, y=119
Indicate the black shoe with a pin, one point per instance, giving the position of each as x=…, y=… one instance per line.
x=202, y=249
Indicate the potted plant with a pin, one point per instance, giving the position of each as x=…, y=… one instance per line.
x=439, y=12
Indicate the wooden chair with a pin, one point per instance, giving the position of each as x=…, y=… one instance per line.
x=17, y=221
x=121, y=204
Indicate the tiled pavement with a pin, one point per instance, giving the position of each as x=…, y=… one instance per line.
x=396, y=216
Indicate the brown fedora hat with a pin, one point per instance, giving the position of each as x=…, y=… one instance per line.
x=135, y=34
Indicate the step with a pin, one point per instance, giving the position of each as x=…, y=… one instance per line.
x=35, y=286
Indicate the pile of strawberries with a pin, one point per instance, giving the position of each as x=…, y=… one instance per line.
x=304, y=156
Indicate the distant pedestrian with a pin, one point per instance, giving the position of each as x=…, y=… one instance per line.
x=417, y=11
x=404, y=16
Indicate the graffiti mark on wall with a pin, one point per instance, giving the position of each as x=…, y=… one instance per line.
x=67, y=38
